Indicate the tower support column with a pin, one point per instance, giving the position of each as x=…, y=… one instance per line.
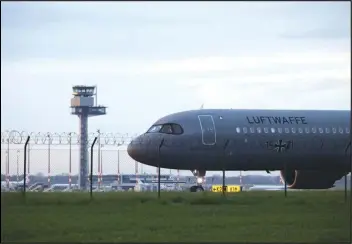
x=83, y=162
x=82, y=105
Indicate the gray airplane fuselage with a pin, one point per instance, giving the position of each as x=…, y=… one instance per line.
x=244, y=139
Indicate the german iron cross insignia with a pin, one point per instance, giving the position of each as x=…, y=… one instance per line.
x=279, y=146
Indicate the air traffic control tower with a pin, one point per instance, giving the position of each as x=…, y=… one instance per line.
x=82, y=104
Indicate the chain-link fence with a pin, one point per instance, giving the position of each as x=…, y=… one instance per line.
x=60, y=160
x=53, y=158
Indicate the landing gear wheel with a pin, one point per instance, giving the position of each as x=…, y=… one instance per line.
x=196, y=189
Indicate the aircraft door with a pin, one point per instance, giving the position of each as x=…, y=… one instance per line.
x=207, y=127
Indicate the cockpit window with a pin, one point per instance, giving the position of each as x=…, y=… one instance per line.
x=154, y=129
x=167, y=129
x=174, y=129
x=177, y=129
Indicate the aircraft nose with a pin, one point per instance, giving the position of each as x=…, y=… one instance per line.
x=134, y=149
x=131, y=150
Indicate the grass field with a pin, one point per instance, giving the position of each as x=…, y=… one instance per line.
x=314, y=216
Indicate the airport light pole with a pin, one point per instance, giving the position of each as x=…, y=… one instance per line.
x=8, y=164
x=99, y=148
x=101, y=166
x=118, y=163
x=18, y=159
x=49, y=159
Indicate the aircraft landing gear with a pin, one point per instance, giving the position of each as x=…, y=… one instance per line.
x=200, y=180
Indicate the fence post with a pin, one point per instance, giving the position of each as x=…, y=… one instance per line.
x=91, y=168
x=25, y=166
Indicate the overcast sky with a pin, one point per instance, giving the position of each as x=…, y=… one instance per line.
x=150, y=59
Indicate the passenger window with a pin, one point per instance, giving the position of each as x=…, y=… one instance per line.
x=272, y=130
x=287, y=130
x=252, y=130
x=166, y=129
x=238, y=130
x=307, y=130
x=334, y=130
x=347, y=130
x=245, y=129
x=266, y=130
x=279, y=130
x=293, y=130
x=177, y=129
x=327, y=130
x=314, y=129
x=321, y=130
x=341, y=130
x=259, y=130
x=300, y=130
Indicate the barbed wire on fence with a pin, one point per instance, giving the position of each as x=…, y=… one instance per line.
x=63, y=138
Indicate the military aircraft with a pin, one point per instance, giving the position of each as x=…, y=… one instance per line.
x=310, y=148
